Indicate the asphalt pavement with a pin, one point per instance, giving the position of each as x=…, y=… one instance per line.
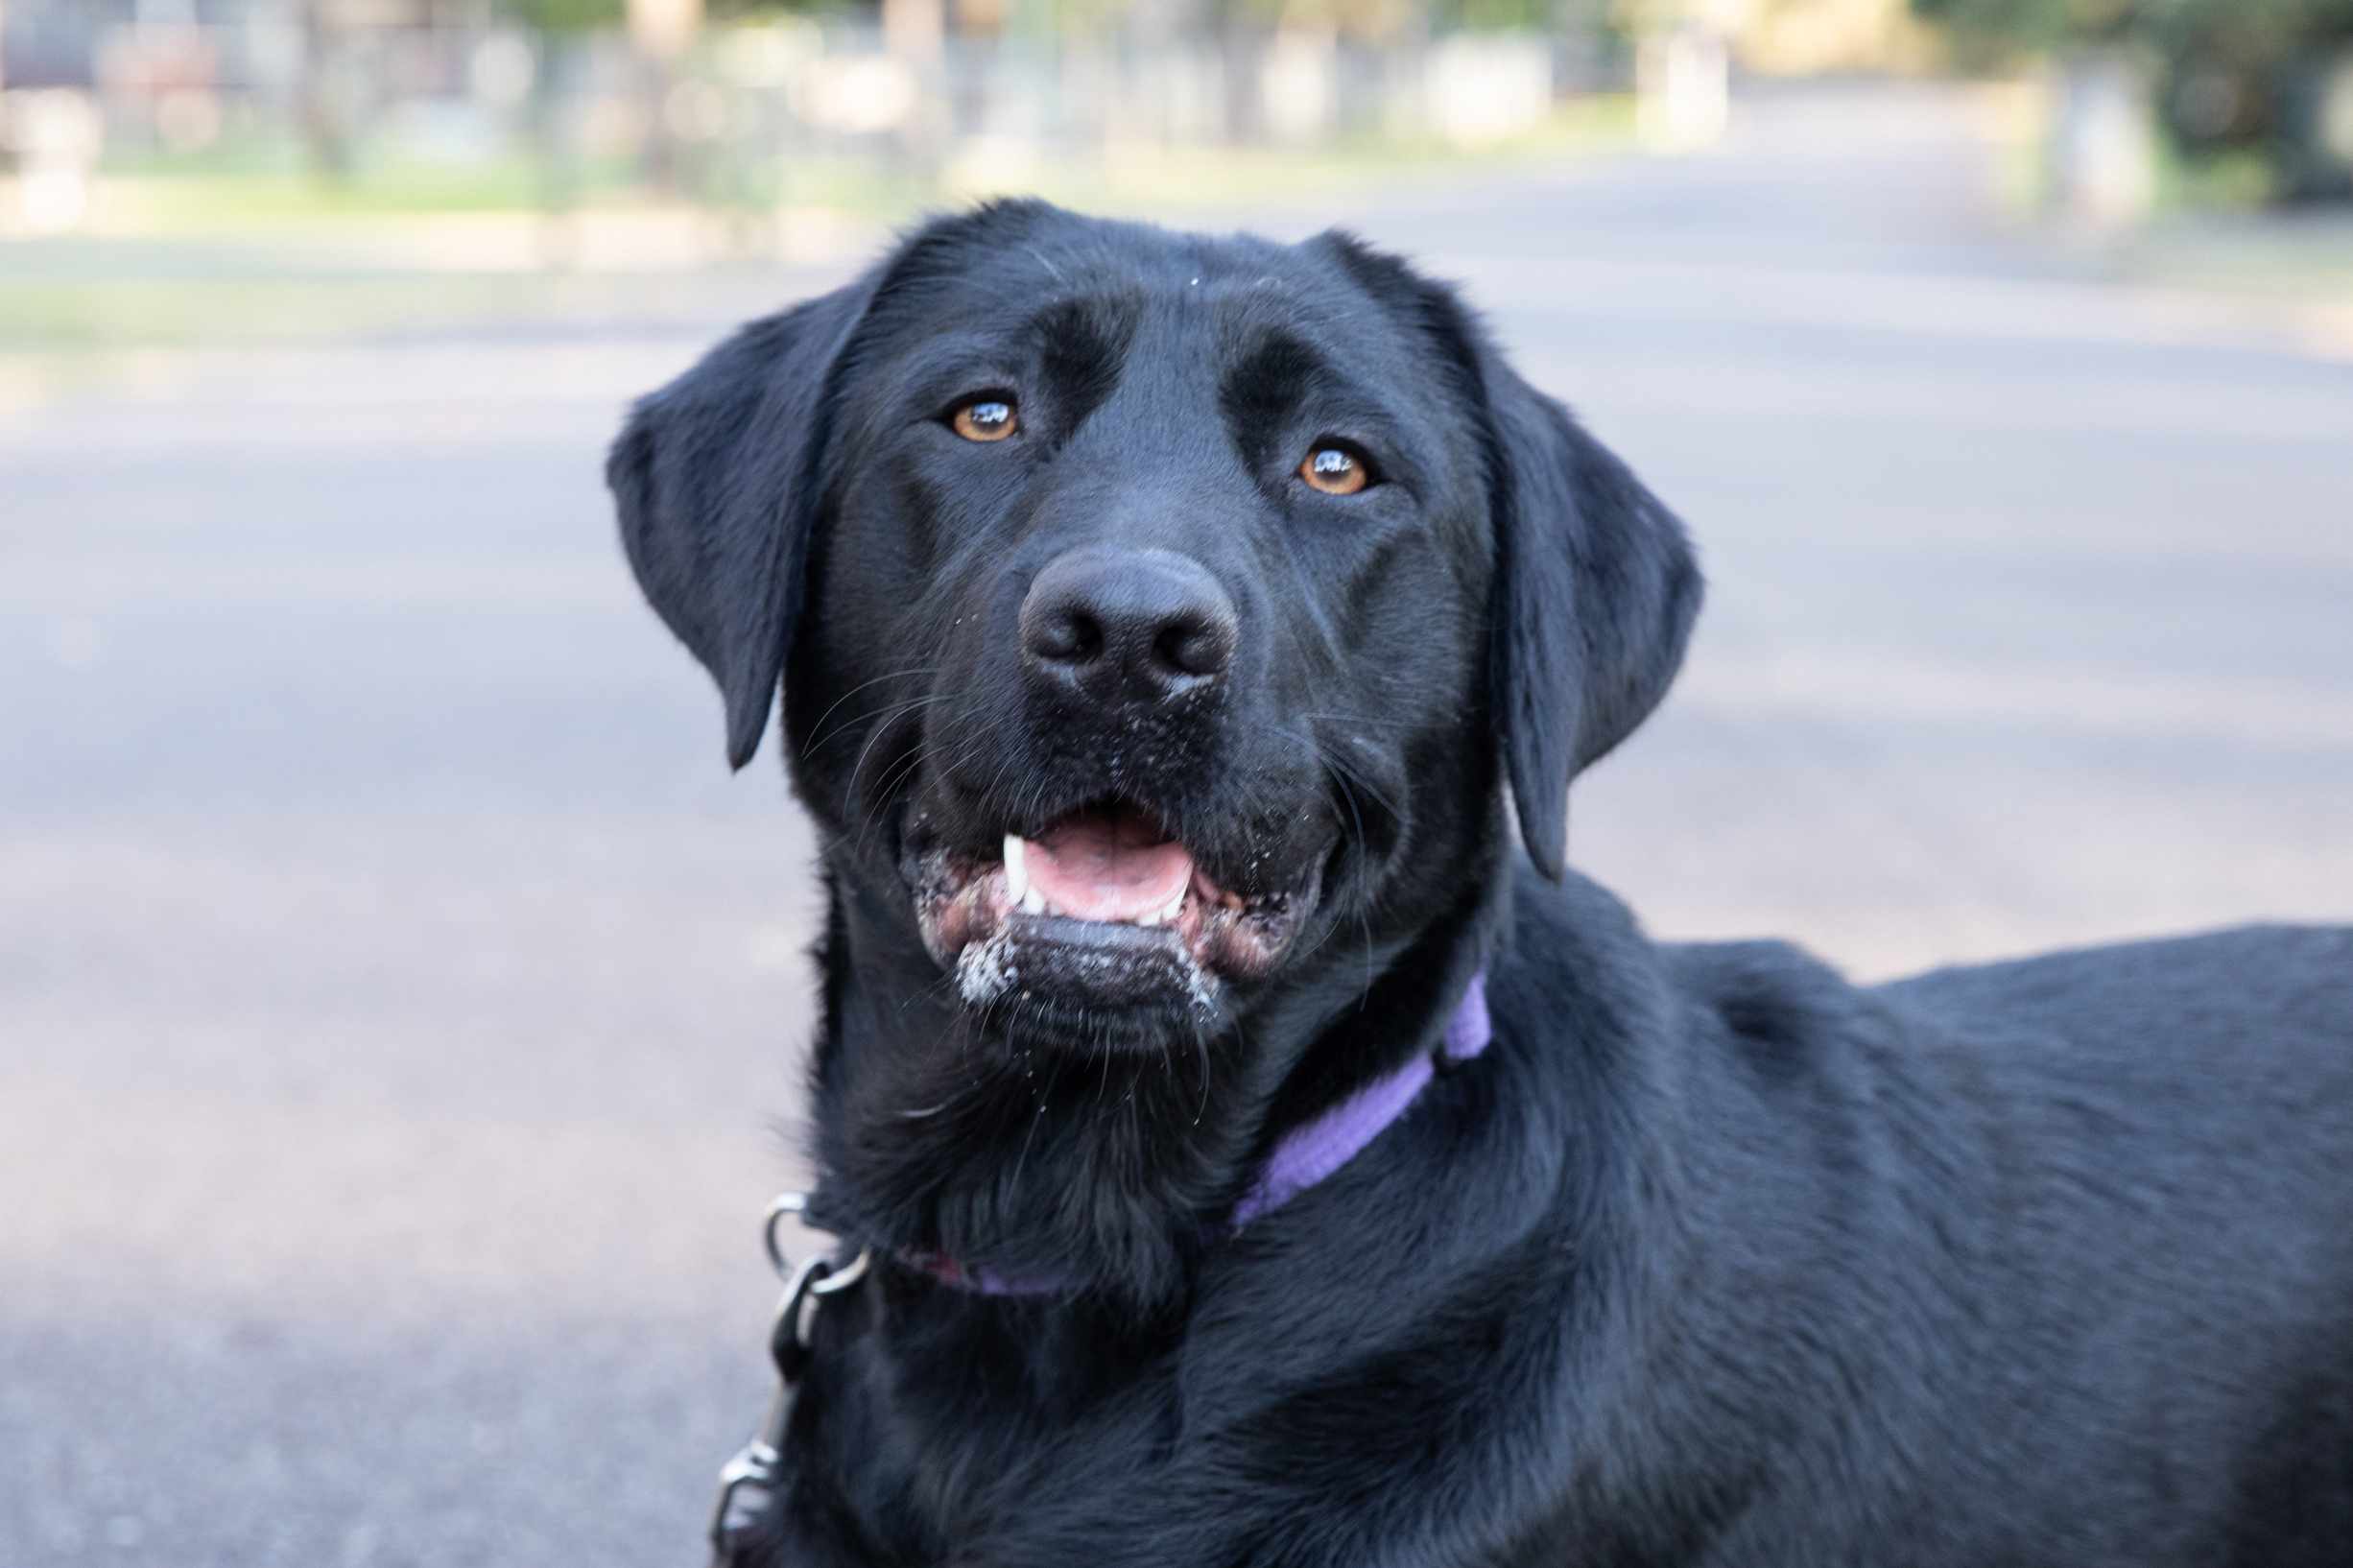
x=401, y=1007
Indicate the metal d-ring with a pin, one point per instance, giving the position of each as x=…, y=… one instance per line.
x=835, y=1281
x=787, y=1205
x=814, y=1279
x=807, y=1289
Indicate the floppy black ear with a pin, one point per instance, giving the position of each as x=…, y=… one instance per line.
x=1596, y=591
x=716, y=478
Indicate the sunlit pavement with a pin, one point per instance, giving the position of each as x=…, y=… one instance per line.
x=400, y=1005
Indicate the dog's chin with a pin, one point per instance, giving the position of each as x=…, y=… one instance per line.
x=1102, y=932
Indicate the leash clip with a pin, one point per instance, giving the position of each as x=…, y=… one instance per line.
x=748, y=1482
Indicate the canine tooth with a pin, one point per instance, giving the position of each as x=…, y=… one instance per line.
x=1174, y=907
x=1016, y=868
x=1033, y=902
x=1149, y=918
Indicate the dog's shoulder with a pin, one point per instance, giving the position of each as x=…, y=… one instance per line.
x=2256, y=1015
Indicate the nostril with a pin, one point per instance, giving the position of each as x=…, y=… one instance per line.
x=1200, y=646
x=1068, y=636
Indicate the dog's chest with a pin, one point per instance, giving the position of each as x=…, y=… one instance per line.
x=983, y=1415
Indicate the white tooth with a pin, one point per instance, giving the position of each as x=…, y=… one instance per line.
x=1033, y=902
x=1016, y=868
x=1149, y=919
x=1176, y=907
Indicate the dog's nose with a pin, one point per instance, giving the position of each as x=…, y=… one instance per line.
x=1134, y=625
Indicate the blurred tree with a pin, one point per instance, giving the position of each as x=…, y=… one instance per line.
x=2272, y=28
x=566, y=15
x=2029, y=25
x=2271, y=75
x=325, y=93
x=1524, y=14
x=2268, y=76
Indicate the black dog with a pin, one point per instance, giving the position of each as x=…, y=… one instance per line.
x=1159, y=620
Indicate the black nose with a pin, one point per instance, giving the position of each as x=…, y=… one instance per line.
x=1134, y=624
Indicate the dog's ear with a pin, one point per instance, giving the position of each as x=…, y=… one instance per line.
x=716, y=478
x=1596, y=589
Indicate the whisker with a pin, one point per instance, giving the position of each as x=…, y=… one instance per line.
x=885, y=711
x=885, y=787
x=817, y=730
x=888, y=784
x=1200, y=1051
x=1348, y=781
x=850, y=790
x=1053, y=1074
x=1363, y=916
x=1358, y=719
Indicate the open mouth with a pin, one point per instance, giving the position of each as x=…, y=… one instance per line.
x=1103, y=910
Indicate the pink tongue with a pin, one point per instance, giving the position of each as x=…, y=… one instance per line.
x=1106, y=866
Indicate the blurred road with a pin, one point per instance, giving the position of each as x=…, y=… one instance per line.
x=398, y=1000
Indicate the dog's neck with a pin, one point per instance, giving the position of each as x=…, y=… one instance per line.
x=1120, y=1172
x=1302, y=1157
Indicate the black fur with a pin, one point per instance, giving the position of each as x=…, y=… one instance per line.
x=1712, y=1259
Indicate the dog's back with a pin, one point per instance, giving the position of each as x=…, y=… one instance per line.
x=2174, y=1154
x=2057, y=1252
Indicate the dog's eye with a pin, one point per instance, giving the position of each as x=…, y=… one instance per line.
x=985, y=420
x=1336, y=470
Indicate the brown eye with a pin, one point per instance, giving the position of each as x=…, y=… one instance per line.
x=1335, y=470
x=985, y=420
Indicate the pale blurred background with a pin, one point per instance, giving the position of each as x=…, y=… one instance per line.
x=399, y=1001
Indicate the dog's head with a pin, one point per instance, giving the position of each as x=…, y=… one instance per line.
x=1147, y=604
x=1159, y=620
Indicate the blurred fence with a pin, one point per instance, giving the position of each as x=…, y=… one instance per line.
x=731, y=117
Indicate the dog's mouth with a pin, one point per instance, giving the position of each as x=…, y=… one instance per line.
x=1103, y=912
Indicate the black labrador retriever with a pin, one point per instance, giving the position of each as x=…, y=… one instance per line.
x=1259, y=1163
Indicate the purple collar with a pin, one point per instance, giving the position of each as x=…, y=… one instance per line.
x=1316, y=1149
x=1307, y=1154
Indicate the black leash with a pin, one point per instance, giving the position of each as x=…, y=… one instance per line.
x=748, y=1482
